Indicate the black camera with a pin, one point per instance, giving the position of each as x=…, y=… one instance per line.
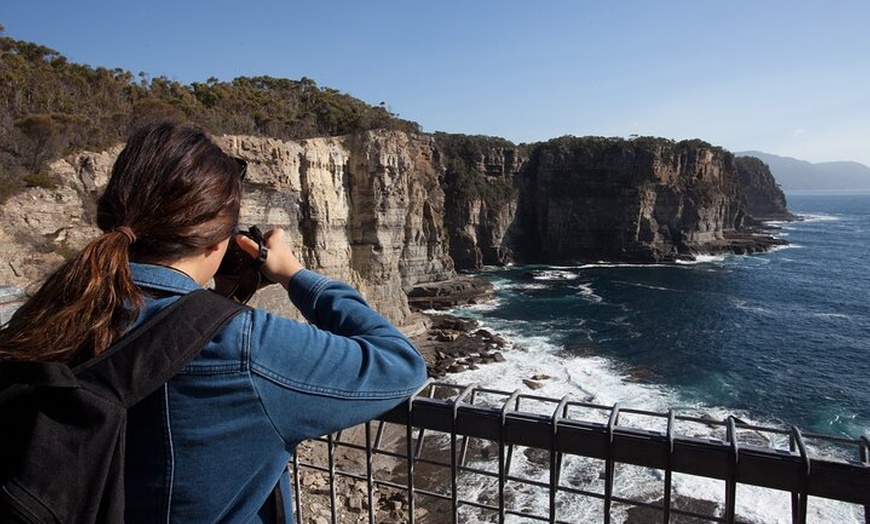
x=238, y=276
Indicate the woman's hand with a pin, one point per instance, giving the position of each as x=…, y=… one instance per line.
x=281, y=264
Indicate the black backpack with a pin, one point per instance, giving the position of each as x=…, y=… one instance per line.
x=62, y=430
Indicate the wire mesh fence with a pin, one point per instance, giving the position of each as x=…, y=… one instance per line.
x=468, y=454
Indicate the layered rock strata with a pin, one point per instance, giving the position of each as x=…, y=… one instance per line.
x=366, y=209
x=630, y=200
x=480, y=200
x=389, y=212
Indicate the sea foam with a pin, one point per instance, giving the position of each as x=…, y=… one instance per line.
x=535, y=360
x=594, y=379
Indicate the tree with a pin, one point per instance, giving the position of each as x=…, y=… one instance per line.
x=45, y=140
x=153, y=110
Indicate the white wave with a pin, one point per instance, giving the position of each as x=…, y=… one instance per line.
x=743, y=305
x=703, y=259
x=647, y=286
x=587, y=292
x=774, y=249
x=819, y=217
x=698, y=259
x=526, y=286
x=489, y=305
x=554, y=274
x=603, y=264
x=536, y=361
x=833, y=316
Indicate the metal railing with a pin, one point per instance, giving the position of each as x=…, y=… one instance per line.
x=467, y=454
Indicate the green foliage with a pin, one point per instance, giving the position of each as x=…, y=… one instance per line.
x=7, y=189
x=466, y=178
x=751, y=164
x=595, y=147
x=40, y=180
x=45, y=139
x=50, y=105
x=477, y=169
x=470, y=147
x=753, y=172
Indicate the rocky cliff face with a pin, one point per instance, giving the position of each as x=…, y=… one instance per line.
x=366, y=209
x=387, y=211
x=480, y=196
x=41, y=226
x=761, y=195
x=632, y=200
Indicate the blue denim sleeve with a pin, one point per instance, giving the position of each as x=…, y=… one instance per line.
x=347, y=366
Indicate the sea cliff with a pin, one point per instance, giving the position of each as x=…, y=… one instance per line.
x=364, y=208
x=761, y=195
x=640, y=200
x=396, y=213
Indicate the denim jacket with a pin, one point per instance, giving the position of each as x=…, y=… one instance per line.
x=213, y=443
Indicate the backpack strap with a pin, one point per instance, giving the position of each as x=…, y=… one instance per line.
x=150, y=355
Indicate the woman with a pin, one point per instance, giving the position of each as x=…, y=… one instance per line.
x=214, y=442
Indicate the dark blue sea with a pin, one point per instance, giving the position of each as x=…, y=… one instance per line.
x=778, y=339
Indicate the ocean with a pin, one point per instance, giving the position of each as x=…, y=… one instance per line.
x=776, y=339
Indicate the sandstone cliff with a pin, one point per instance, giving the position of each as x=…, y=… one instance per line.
x=365, y=208
x=390, y=211
x=645, y=199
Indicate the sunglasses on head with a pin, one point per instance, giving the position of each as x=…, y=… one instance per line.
x=243, y=167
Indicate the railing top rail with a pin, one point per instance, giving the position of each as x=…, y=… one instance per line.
x=785, y=463
x=565, y=404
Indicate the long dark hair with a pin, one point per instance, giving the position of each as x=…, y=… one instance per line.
x=172, y=193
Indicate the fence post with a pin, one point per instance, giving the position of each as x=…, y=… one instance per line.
x=330, y=457
x=454, y=467
x=865, y=459
x=409, y=436
x=503, y=464
x=555, y=457
x=370, y=485
x=666, y=510
x=798, y=499
x=609, y=467
x=298, y=495
x=731, y=482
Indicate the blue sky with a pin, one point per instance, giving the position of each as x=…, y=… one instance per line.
x=785, y=77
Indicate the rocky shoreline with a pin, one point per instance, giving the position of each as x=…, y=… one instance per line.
x=451, y=344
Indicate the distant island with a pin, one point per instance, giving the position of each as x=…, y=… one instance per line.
x=799, y=175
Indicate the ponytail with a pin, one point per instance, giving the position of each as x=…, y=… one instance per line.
x=172, y=193
x=81, y=309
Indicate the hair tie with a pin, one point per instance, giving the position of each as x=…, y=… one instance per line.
x=127, y=232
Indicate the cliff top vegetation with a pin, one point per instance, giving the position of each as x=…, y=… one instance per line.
x=475, y=169
x=597, y=145
x=752, y=164
x=52, y=106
